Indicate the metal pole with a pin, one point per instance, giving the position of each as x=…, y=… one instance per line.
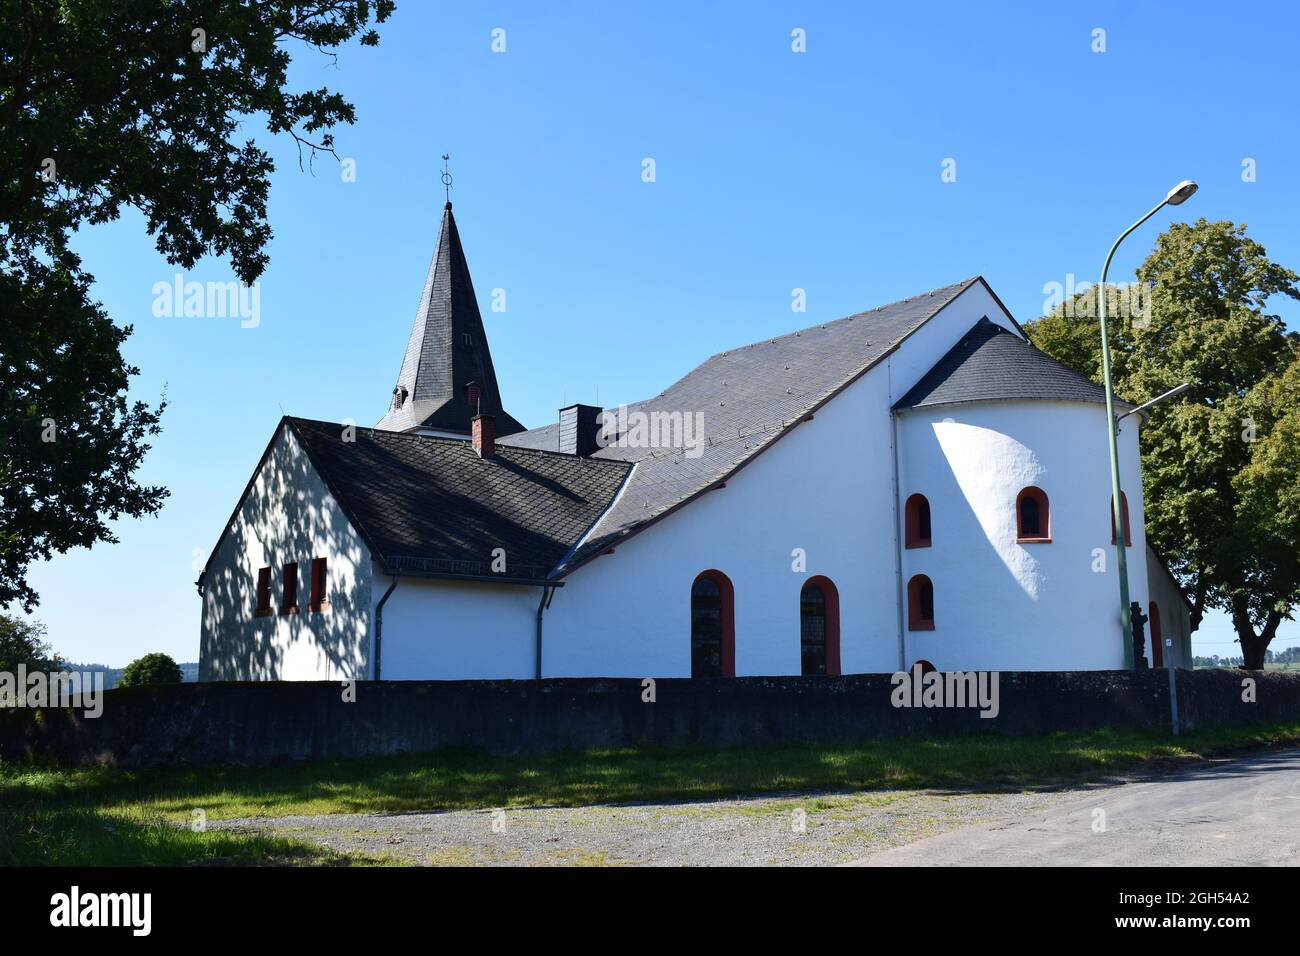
x=1112, y=432
x=1173, y=696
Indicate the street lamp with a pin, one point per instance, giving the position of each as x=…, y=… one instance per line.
x=1176, y=197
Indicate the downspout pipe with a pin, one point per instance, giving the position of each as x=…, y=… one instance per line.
x=898, y=542
x=379, y=623
x=548, y=592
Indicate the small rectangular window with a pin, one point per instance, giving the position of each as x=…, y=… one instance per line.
x=263, y=593
x=318, y=601
x=289, y=597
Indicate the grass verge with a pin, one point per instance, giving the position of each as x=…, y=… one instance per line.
x=111, y=816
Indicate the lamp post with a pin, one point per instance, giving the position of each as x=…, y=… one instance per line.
x=1176, y=196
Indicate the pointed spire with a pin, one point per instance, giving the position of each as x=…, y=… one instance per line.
x=447, y=376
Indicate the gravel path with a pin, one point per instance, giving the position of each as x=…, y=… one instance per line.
x=837, y=828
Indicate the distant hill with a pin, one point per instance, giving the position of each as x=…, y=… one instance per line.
x=190, y=672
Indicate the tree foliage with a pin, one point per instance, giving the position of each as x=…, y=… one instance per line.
x=23, y=642
x=1219, y=466
x=151, y=669
x=106, y=104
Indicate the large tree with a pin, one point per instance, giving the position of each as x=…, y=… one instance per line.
x=1219, y=468
x=137, y=103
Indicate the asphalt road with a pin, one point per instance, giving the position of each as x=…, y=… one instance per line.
x=1243, y=812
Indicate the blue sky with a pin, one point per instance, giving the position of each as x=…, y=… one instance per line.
x=774, y=170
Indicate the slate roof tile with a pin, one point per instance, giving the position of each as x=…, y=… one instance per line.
x=430, y=505
x=990, y=363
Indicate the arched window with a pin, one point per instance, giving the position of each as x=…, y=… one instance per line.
x=819, y=627
x=713, y=626
x=916, y=522
x=1157, y=638
x=1123, y=503
x=926, y=667
x=920, y=604
x=1033, y=517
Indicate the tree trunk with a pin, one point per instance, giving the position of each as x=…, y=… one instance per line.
x=1198, y=605
x=1253, y=645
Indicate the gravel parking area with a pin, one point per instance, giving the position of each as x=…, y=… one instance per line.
x=800, y=830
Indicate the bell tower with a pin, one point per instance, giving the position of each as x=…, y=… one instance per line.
x=447, y=376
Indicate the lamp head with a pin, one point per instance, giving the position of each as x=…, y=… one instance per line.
x=1181, y=193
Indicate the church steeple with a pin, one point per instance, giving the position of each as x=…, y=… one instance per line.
x=447, y=376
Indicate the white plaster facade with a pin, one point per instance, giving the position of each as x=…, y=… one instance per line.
x=1000, y=605
x=287, y=514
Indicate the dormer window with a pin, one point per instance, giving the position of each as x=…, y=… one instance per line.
x=466, y=340
x=399, y=396
x=473, y=393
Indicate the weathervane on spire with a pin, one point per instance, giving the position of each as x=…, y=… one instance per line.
x=446, y=177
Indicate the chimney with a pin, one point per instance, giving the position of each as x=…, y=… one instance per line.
x=485, y=436
x=579, y=426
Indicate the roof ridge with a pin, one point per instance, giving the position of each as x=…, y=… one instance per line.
x=416, y=436
x=959, y=287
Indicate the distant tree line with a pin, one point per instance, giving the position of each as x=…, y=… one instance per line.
x=1290, y=655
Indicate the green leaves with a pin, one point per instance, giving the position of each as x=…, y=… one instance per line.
x=106, y=104
x=69, y=439
x=153, y=668
x=23, y=642
x=131, y=114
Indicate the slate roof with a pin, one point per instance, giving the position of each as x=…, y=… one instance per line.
x=748, y=396
x=990, y=363
x=447, y=350
x=429, y=505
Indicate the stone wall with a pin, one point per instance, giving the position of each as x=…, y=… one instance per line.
x=266, y=723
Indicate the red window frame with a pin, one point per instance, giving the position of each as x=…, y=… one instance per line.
x=1123, y=507
x=1044, y=535
x=289, y=589
x=831, y=595
x=319, y=581
x=727, y=594
x=916, y=620
x=263, y=606
x=912, y=536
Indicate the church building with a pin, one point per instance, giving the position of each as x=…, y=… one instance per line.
x=916, y=482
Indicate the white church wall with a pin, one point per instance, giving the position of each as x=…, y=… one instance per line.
x=1003, y=605
x=456, y=630
x=826, y=488
x=823, y=488
x=288, y=515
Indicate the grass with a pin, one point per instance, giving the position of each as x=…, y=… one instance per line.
x=112, y=816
